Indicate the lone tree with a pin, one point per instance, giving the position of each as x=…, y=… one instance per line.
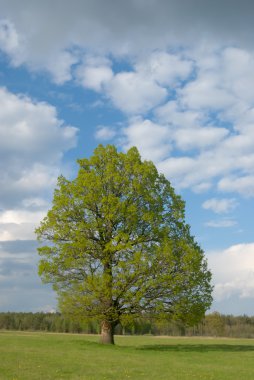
x=117, y=245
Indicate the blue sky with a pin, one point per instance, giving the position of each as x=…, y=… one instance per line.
x=173, y=78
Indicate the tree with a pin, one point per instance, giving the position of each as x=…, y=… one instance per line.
x=116, y=245
x=215, y=324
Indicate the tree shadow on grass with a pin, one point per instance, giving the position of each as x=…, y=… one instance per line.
x=198, y=347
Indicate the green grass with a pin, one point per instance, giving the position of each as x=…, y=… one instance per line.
x=39, y=356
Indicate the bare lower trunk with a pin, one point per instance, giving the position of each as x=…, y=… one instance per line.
x=107, y=332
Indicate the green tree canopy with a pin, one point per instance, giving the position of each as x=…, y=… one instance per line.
x=116, y=245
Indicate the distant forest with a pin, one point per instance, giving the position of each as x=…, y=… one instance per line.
x=214, y=324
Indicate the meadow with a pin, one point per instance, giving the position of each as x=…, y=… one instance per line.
x=47, y=356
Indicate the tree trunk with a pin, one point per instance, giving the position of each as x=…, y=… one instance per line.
x=107, y=333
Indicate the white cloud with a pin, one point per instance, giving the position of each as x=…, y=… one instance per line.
x=209, y=118
x=173, y=113
x=19, y=224
x=164, y=68
x=238, y=64
x=94, y=77
x=210, y=128
x=138, y=90
x=192, y=171
x=198, y=138
x=221, y=223
x=21, y=216
x=190, y=128
x=15, y=231
x=24, y=122
x=32, y=142
x=220, y=206
x=104, y=133
x=8, y=35
x=94, y=73
x=177, y=169
x=243, y=185
x=17, y=46
x=233, y=271
x=135, y=93
x=40, y=176
x=152, y=140
x=202, y=187
x=211, y=112
x=26, y=181
x=207, y=92
x=59, y=66
x=11, y=42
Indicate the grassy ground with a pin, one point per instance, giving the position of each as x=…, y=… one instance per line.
x=38, y=356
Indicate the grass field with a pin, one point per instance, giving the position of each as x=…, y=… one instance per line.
x=25, y=356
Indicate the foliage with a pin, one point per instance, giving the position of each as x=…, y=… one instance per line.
x=117, y=245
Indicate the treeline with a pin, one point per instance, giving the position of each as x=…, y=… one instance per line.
x=214, y=324
x=51, y=322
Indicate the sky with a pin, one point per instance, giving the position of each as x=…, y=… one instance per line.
x=173, y=78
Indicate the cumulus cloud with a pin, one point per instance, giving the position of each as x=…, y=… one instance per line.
x=9, y=39
x=152, y=140
x=207, y=92
x=201, y=96
x=104, y=133
x=94, y=73
x=220, y=206
x=25, y=122
x=18, y=224
x=190, y=128
x=16, y=231
x=173, y=113
x=20, y=216
x=17, y=47
x=211, y=124
x=135, y=93
x=138, y=90
x=243, y=185
x=59, y=65
x=94, y=77
x=221, y=223
x=132, y=92
x=32, y=143
x=179, y=169
x=233, y=271
x=164, y=68
x=199, y=138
